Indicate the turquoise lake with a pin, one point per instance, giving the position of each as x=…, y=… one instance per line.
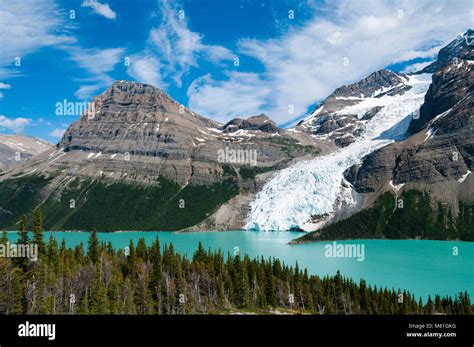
x=423, y=267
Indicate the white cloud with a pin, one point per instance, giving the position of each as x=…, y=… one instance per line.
x=416, y=67
x=13, y=124
x=98, y=63
x=176, y=47
x=27, y=26
x=242, y=94
x=58, y=133
x=100, y=9
x=146, y=69
x=4, y=86
x=306, y=64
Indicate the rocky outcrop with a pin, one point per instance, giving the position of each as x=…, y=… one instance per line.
x=260, y=122
x=450, y=84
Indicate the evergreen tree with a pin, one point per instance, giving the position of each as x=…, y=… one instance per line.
x=4, y=239
x=23, y=239
x=93, y=247
x=38, y=231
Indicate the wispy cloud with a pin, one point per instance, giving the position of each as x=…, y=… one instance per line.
x=175, y=47
x=3, y=86
x=27, y=26
x=416, y=67
x=351, y=40
x=98, y=63
x=100, y=9
x=57, y=133
x=241, y=94
x=146, y=69
x=15, y=125
x=30, y=25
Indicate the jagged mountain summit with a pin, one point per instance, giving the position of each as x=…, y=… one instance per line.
x=342, y=117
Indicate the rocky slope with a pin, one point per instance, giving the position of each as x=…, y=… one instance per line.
x=16, y=149
x=135, y=135
x=313, y=193
x=342, y=117
x=142, y=161
x=437, y=159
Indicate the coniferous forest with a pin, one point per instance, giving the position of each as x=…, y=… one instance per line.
x=98, y=279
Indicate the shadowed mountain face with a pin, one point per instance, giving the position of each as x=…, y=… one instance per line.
x=441, y=148
x=458, y=48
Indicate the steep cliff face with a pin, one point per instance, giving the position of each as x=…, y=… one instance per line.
x=450, y=85
x=441, y=151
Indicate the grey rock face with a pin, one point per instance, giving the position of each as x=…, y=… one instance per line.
x=458, y=48
x=260, y=122
x=137, y=132
x=443, y=151
x=449, y=85
x=332, y=122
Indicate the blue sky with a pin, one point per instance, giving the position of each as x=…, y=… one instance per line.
x=221, y=58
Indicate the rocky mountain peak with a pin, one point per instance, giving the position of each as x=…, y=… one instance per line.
x=450, y=84
x=126, y=96
x=460, y=47
x=342, y=116
x=259, y=122
x=371, y=84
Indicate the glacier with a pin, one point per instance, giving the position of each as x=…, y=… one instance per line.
x=292, y=197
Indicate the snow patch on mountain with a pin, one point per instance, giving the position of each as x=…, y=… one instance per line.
x=309, y=193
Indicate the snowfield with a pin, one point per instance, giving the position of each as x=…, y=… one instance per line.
x=294, y=196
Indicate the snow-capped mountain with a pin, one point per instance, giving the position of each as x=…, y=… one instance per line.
x=309, y=193
x=431, y=116
x=16, y=149
x=455, y=49
x=344, y=115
